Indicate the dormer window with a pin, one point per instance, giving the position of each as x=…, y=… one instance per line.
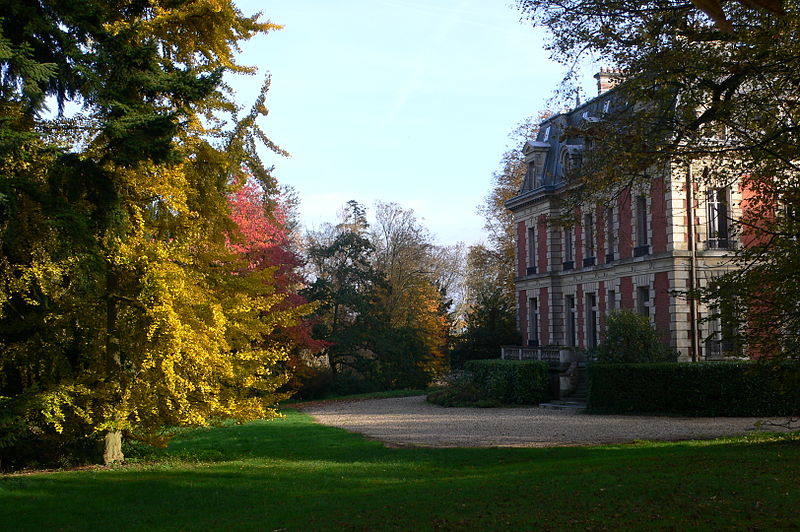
x=606, y=106
x=546, y=136
x=535, y=155
x=531, y=177
x=564, y=161
x=528, y=182
x=571, y=159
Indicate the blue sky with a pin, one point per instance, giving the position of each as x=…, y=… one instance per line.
x=405, y=101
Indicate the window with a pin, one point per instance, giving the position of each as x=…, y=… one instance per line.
x=642, y=247
x=533, y=322
x=718, y=218
x=611, y=236
x=570, y=159
x=643, y=300
x=723, y=335
x=591, y=320
x=588, y=240
x=564, y=161
x=531, y=251
x=532, y=174
x=569, y=304
x=569, y=251
x=714, y=339
x=612, y=300
x=606, y=106
x=546, y=135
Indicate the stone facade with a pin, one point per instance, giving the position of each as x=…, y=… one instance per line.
x=632, y=251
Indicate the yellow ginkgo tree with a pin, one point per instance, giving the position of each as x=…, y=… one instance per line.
x=123, y=307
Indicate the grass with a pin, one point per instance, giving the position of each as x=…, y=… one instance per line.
x=292, y=474
x=359, y=396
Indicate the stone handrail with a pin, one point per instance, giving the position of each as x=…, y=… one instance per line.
x=554, y=354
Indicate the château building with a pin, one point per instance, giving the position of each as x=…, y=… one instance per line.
x=639, y=250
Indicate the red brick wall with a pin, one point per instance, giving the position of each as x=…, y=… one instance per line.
x=658, y=211
x=625, y=242
x=521, y=257
x=756, y=218
x=626, y=292
x=544, y=317
x=600, y=234
x=541, y=242
x=753, y=233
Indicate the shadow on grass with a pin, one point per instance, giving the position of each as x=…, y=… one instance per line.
x=294, y=474
x=296, y=438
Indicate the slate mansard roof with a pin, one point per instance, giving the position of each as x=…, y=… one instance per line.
x=557, y=148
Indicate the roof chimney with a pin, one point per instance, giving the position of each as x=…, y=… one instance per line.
x=607, y=78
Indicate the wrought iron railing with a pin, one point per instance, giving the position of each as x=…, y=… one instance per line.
x=721, y=243
x=721, y=350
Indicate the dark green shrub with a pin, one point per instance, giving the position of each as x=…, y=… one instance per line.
x=314, y=384
x=695, y=389
x=351, y=384
x=490, y=383
x=28, y=441
x=629, y=338
x=460, y=391
x=511, y=381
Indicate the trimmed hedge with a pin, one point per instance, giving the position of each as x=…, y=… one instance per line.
x=696, y=389
x=523, y=382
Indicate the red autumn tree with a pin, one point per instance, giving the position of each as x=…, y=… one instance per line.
x=265, y=241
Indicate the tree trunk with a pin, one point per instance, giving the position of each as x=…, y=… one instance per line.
x=112, y=342
x=112, y=450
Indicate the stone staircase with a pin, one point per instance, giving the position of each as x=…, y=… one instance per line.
x=575, y=402
x=581, y=391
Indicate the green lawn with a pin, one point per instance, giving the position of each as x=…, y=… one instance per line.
x=294, y=475
x=359, y=396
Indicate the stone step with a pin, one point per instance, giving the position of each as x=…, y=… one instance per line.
x=575, y=407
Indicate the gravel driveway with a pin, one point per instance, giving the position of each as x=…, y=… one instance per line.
x=411, y=421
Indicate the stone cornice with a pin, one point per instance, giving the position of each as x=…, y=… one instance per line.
x=532, y=196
